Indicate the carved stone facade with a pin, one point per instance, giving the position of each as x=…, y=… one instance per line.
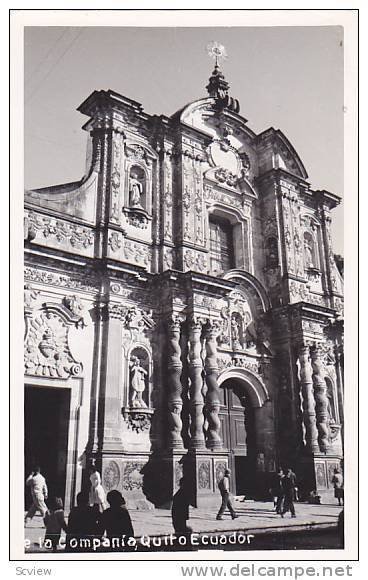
x=184, y=297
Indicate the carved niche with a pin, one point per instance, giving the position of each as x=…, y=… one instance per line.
x=138, y=196
x=238, y=329
x=46, y=350
x=137, y=326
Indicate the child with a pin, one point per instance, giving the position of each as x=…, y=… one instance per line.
x=55, y=522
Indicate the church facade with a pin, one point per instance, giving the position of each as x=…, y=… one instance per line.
x=183, y=309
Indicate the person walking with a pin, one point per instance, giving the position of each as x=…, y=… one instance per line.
x=224, y=487
x=82, y=525
x=55, y=523
x=115, y=521
x=97, y=492
x=289, y=484
x=39, y=492
x=278, y=491
x=338, y=483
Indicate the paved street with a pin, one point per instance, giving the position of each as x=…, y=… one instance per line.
x=257, y=518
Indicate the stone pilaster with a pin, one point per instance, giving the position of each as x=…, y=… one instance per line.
x=195, y=373
x=320, y=395
x=308, y=402
x=212, y=406
x=174, y=369
x=110, y=414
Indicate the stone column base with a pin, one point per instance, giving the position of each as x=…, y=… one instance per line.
x=203, y=468
x=127, y=473
x=315, y=475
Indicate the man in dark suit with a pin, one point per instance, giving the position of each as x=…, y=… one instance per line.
x=289, y=484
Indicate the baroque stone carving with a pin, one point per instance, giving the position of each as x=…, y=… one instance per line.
x=135, y=191
x=132, y=476
x=138, y=253
x=320, y=394
x=30, y=296
x=138, y=420
x=75, y=305
x=56, y=279
x=308, y=402
x=46, y=348
x=195, y=261
x=211, y=194
x=111, y=476
x=225, y=176
x=212, y=399
x=138, y=219
x=115, y=241
x=174, y=369
x=196, y=382
x=79, y=237
x=137, y=382
x=204, y=477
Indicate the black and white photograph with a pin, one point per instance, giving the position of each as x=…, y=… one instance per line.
x=183, y=289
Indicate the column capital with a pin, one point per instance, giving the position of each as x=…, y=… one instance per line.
x=174, y=322
x=212, y=329
x=316, y=349
x=195, y=323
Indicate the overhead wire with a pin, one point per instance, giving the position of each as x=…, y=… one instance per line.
x=39, y=65
x=53, y=66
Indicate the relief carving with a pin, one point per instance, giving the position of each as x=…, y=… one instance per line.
x=46, y=348
x=111, y=476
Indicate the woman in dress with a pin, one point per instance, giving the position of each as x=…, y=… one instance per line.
x=97, y=493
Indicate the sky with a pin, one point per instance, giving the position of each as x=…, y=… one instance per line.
x=290, y=78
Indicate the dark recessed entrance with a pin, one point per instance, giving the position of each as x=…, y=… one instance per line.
x=46, y=424
x=238, y=433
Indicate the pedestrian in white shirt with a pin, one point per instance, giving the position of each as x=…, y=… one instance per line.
x=39, y=492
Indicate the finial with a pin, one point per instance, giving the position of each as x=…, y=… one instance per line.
x=218, y=87
x=216, y=51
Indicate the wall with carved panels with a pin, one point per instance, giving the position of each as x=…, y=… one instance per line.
x=151, y=187
x=59, y=350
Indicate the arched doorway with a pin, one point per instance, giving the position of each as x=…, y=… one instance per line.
x=237, y=417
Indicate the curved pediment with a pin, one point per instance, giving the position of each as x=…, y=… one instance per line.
x=281, y=153
x=203, y=116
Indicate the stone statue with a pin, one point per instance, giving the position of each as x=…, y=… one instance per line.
x=137, y=383
x=135, y=191
x=308, y=253
x=235, y=335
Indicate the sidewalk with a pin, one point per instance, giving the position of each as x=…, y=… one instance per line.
x=254, y=518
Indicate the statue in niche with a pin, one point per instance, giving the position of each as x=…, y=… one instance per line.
x=235, y=331
x=138, y=383
x=308, y=252
x=135, y=190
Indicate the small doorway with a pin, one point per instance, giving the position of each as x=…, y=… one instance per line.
x=46, y=424
x=238, y=433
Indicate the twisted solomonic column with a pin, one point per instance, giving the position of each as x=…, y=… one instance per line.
x=320, y=395
x=197, y=440
x=308, y=402
x=211, y=331
x=174, y=368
